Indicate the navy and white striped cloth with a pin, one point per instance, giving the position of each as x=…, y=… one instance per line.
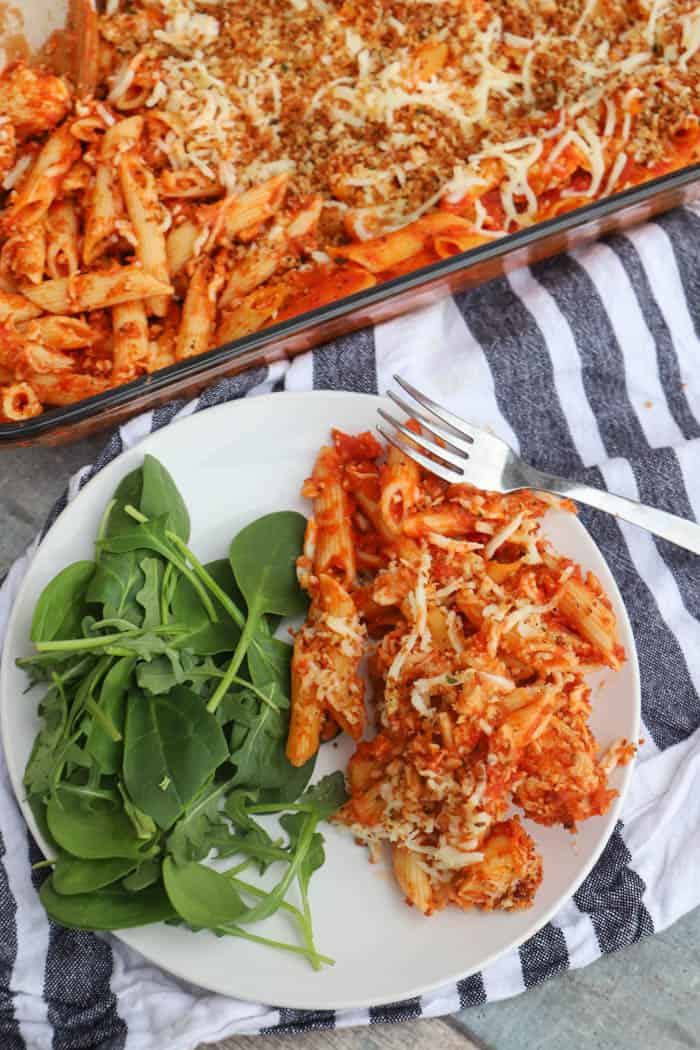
x=590, y=365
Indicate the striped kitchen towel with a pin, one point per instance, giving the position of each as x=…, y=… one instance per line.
x=590, y=365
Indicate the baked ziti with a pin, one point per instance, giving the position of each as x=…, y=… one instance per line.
x=479, y=635
x=221, y=167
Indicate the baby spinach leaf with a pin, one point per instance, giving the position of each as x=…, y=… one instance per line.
x=145, y=875
x=160, y=496
x=172, y=746
x=117, y=580
x=127, y=493
x=150, y=489
x=204, y=898
x=107, y=909
x=92, y=832
x=263, y=557
x=149, y=595
x=269, y=660
x=106, y=751
x=72, y=875
x=205, y=637
x=61, y=605
x=139, y=536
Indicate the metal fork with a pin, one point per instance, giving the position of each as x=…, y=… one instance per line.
x=461, y=452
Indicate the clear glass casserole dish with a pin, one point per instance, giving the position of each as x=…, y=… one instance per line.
x=379, y=303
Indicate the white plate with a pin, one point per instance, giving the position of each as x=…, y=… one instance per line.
x=232, y=464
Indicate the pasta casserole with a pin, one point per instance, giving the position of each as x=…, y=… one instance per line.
x=216, y=168
x=479, y=637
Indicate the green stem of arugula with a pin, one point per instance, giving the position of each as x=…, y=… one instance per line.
x=107, y=724
x=84, y=792
x=209, y=582
x=255, y=891
x=235, y=931
x=251, y=626
x=179, y=565
x=307, y=927
x=303, y=918
x=270, y=853
x=277, y=893
x=102, y=640
x=278, y=807
x=207, y=579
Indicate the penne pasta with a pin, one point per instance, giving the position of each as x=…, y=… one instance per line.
x=384, y=149
x=62, y=240
x=41, y=184
x=18, y=401
x=198, y=312
x=143, y=207
x=131, y=350
x=58, y=333
x=477, y=673
x=94, y=291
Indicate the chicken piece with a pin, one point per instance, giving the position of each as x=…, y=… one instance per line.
x=561, y=780
x=33, y=101
x=508, y=876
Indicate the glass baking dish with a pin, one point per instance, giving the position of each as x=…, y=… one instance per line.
x=379, y=303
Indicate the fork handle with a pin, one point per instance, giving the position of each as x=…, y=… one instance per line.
x=680, y=531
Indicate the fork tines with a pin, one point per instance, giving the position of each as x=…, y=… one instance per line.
x=439, y=446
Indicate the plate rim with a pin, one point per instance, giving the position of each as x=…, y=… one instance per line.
x=130, y=938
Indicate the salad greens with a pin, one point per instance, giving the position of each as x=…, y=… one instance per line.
x=164, y=723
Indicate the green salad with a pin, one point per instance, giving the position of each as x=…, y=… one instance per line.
x=164, y=724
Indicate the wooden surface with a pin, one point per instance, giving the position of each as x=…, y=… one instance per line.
x=418, y=1035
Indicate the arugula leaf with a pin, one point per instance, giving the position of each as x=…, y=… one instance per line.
x=38, y=773
x=73, y=875
x=204, y=898
x=251, y=838
x=92, y=832
x=172, y=745
x=325, y=797
x=202, y=827
x=106, y=751
x=161, y=673
x=60, y=608
x=107, y=909
x=314, y=857
x=149, y=595
x=117, y=580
